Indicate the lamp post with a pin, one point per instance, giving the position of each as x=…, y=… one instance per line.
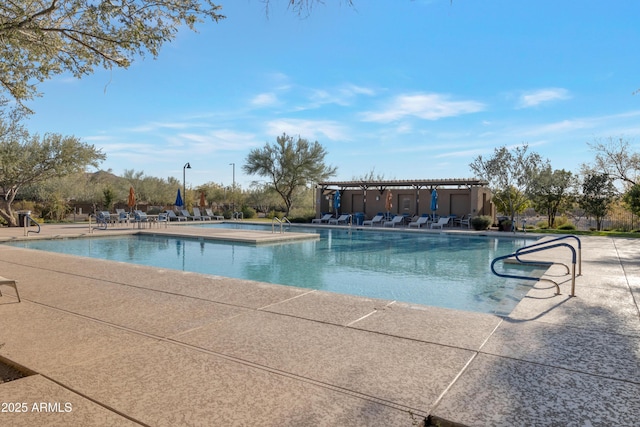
x=233, y=188
x=184, y=184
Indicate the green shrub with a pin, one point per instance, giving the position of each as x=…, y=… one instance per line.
x=481, y=222
x=560, y=221
x=542, y=224
x=567, y=226
x=248, y=212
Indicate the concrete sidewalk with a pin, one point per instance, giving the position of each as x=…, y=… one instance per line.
x=119, y=344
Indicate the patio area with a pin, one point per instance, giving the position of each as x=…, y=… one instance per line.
x=107, y=343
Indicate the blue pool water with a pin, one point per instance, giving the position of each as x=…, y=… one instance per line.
x=432, y=269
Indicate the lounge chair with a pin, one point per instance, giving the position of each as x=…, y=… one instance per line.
x=398, y=219
x=140, y=217
x=173, y=217
x=185, y=213
x=196, y=213
x=342, y=219
x=375, y=220
x=123, y=216
x=423, y=220
x=210, y=213
x=325, y=218
x=465, y=220
x=9, y=282
x=104, y=216
x=444, y=220
x=163, y=218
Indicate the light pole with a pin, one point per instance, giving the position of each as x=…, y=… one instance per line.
x=233, y=188
x=184, y=184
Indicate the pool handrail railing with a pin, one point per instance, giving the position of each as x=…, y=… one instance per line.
x=538, y=247
x=281, y=222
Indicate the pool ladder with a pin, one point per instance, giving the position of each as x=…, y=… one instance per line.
x=281, y=222
x=539, y=247
x=26, y=225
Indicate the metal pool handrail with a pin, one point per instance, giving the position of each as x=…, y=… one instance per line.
x=281, y=222
x=571, y=236
x=530, y=249
x=26, y=225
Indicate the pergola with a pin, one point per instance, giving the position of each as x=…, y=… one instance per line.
x=404, y=183
x=326, y=189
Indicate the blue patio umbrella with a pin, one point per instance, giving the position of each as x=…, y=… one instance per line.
x=336, y=201
x=434, y=200
x=179, y=201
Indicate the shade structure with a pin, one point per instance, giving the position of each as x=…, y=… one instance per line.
x=179, y=201
x=388, y=203
x=203, y=200
x=336, y=201
x=131, y=202
x=434, y=200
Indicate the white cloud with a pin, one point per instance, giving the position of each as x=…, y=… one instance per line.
x=427, y=106
x=537, y=97
x=264, y=100
x=308, y=129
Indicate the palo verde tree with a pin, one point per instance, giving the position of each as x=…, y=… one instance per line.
x=29, y=159
x=552, y=190
x=510, y=174
x=289, y=164
x=598, y=193
x=41, y=39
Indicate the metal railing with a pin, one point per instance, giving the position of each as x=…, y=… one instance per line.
x=28, y=218
x=281, y=222
x=238, y=215
x=539, y=247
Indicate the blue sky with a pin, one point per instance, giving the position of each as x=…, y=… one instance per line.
x=407, y=89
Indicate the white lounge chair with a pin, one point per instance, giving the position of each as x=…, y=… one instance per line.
x=398, y=219
x=342, y=219
x=196, y=213
x=185, y=213
x=210, y=213
x=173, y=217
x=375, y=220
x=465, y=220
x=423, y=220
x=444, y=220
x=9, y=282
x=140, y=217
x=325, y=218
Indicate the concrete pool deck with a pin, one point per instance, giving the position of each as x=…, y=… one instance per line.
x=110, y=343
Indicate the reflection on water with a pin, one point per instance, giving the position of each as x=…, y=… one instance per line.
x=432, y=269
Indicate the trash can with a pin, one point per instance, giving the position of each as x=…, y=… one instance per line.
x=504, y=223
x=22, y=218
x=359, y=217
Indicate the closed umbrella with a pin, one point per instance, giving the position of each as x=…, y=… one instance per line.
x=336, y=202
x=203, y=201
x=179, y=201
x=434, y=201
x=132, y=198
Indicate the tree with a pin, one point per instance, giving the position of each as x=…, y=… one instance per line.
x=289, y=164
x=598, y=193
x=615, y=159
x=551, y=190
x=516, y=201
x=42, y=39
x=508, y=170
x=632, y=199
x=29, y=159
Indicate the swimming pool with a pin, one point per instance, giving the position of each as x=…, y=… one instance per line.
x=444, y=270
